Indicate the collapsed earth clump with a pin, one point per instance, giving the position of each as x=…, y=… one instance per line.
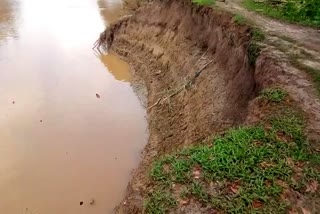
x=205, y=73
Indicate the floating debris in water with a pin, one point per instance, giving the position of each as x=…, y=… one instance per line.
x=97, y=95
x=40, y=121
x=92, y=202
x=13, y=102
x=81, y=202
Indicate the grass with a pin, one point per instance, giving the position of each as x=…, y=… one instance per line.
x=204, y=2
x=159, y=202
x=242, y=171
x=239, y=19
x=257, y=36
x=302, y=12
x=253, y=52
x=254, y=48
x=274, y=94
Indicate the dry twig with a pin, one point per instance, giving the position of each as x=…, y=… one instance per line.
x=179, y=89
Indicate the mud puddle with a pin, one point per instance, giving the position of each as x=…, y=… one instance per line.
x=61, y=143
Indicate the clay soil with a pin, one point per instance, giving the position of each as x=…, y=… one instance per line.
x=166, y=43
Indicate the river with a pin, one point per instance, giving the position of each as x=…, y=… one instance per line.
x=71, y=127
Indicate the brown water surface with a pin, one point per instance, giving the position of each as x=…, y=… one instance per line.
x=59, y=143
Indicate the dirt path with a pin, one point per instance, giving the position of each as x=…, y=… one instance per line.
x=305, y=36
x=297, y=49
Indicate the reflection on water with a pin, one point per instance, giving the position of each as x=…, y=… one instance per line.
x=117, y=67
x=60, y=144
x=7, y=19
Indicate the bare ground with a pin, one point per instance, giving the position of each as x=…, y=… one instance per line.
x=167, y=42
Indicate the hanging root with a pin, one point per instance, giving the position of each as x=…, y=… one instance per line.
x=106, y=37
x=102, y=42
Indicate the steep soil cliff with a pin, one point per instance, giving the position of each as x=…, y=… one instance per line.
x=202, y=72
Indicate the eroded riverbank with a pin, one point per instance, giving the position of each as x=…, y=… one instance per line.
x=167, y=43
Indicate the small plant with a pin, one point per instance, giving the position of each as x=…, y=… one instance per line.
x=258, y=35
x=274, y=94
x=239, y=19
x=204, y=2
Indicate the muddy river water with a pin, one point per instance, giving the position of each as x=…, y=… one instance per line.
x=71, y=127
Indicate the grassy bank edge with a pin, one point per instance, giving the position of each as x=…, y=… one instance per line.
x=277, y=13
x=247, y=169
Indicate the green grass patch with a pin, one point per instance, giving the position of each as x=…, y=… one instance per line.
x=258, y=35
x=159, y=202
x=274, y=94
x=254, y=48
x=204, y=2
x=249, y=163
x=239, y=19
x=303, y=12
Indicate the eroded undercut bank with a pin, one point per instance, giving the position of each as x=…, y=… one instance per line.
x=167, y=43
x=203, y=72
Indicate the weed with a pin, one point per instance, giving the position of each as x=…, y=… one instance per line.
x=274, y=94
